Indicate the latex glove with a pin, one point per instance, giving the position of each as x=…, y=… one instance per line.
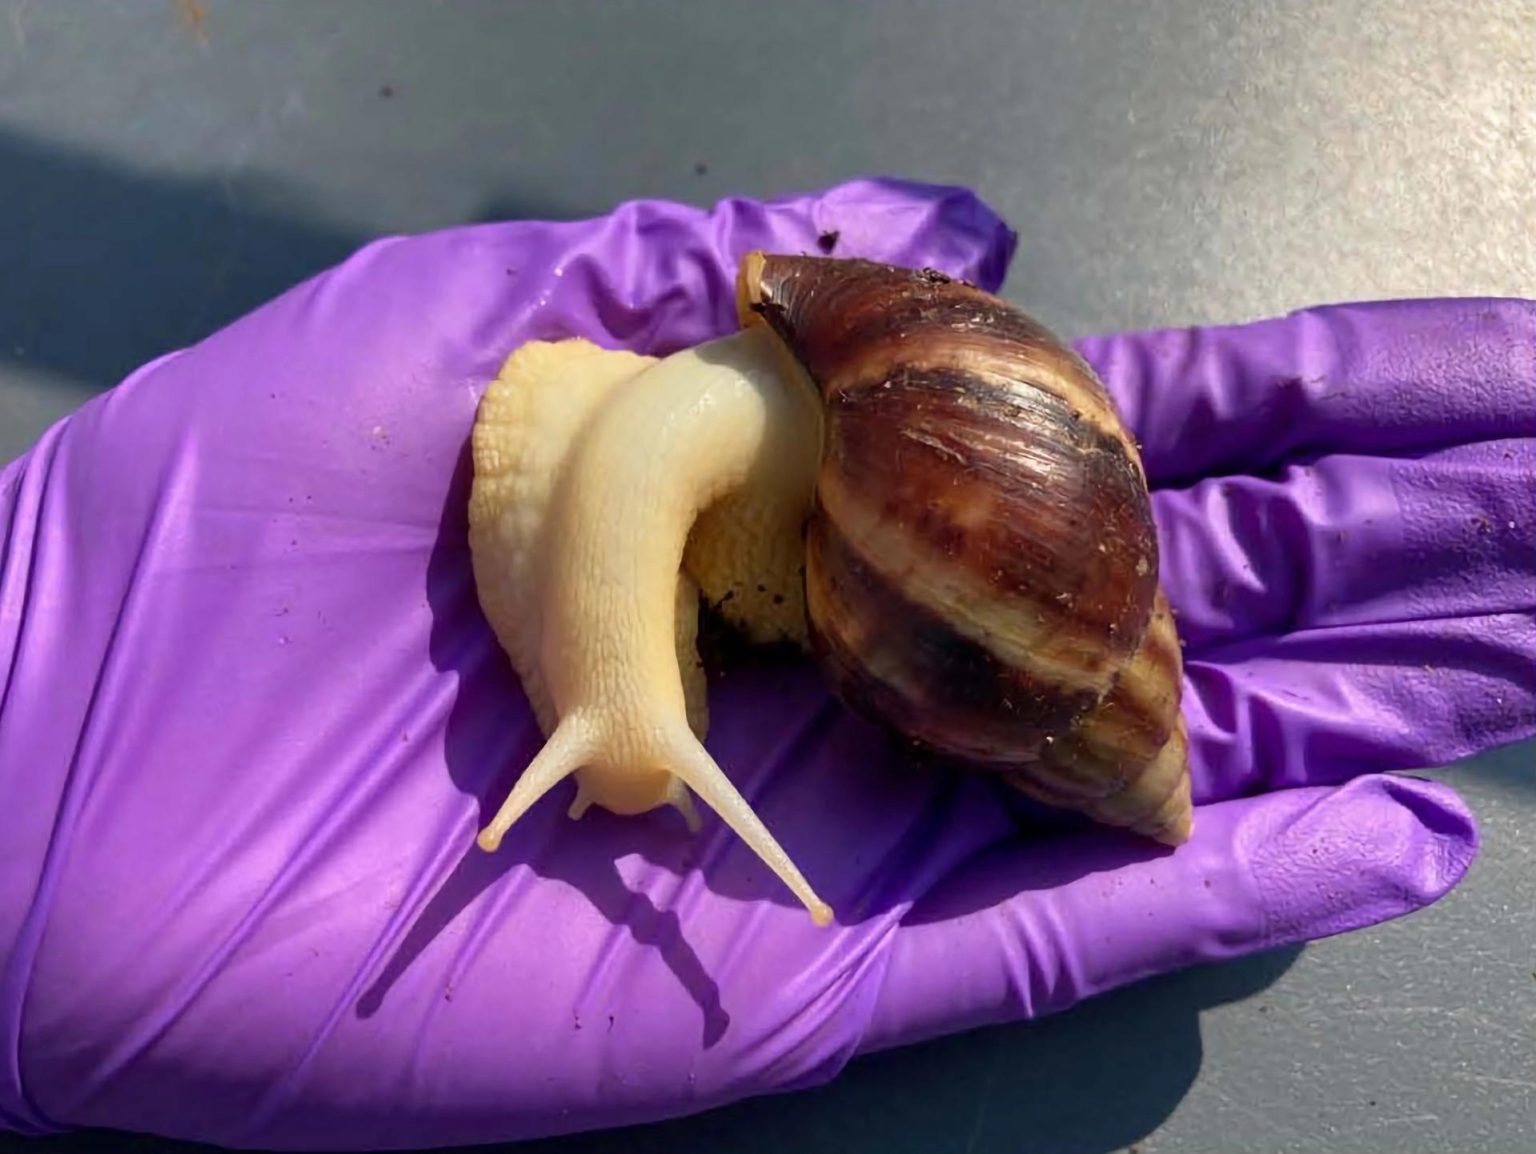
x=253, y=716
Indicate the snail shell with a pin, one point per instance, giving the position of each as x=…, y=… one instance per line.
x=981, y=568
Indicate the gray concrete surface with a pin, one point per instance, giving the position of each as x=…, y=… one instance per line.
x=165, y=166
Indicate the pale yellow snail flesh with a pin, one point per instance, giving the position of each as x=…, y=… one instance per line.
x=592, y=469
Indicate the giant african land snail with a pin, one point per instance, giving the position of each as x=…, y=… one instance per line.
x=901, y=473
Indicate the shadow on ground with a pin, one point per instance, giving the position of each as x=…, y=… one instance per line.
x=107, y=268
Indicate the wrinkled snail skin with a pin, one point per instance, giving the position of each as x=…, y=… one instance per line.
x=903, y=475
x=525, y=425
x=981, y=561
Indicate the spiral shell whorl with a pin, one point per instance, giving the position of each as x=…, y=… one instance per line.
x=982, y=562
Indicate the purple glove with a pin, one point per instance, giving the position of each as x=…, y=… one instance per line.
x=251, y=716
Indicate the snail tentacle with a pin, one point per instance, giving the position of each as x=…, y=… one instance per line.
x=565, y=750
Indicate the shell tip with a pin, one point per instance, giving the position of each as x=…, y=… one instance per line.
x=1175, y=822
x=1177, y=832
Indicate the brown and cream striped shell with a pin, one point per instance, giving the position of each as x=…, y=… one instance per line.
x=982, y=571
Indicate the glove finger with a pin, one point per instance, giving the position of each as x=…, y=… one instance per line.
x=1352, y=540
x=1358, y=615
x=1322, y=706
x=1031, y=929
x=1382, y=378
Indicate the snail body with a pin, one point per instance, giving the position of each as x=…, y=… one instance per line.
x=900, y=473
x=590, y=473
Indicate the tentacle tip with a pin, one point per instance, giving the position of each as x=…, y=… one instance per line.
x=489, y=840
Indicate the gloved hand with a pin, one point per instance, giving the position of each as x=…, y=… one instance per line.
x=251, y=716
